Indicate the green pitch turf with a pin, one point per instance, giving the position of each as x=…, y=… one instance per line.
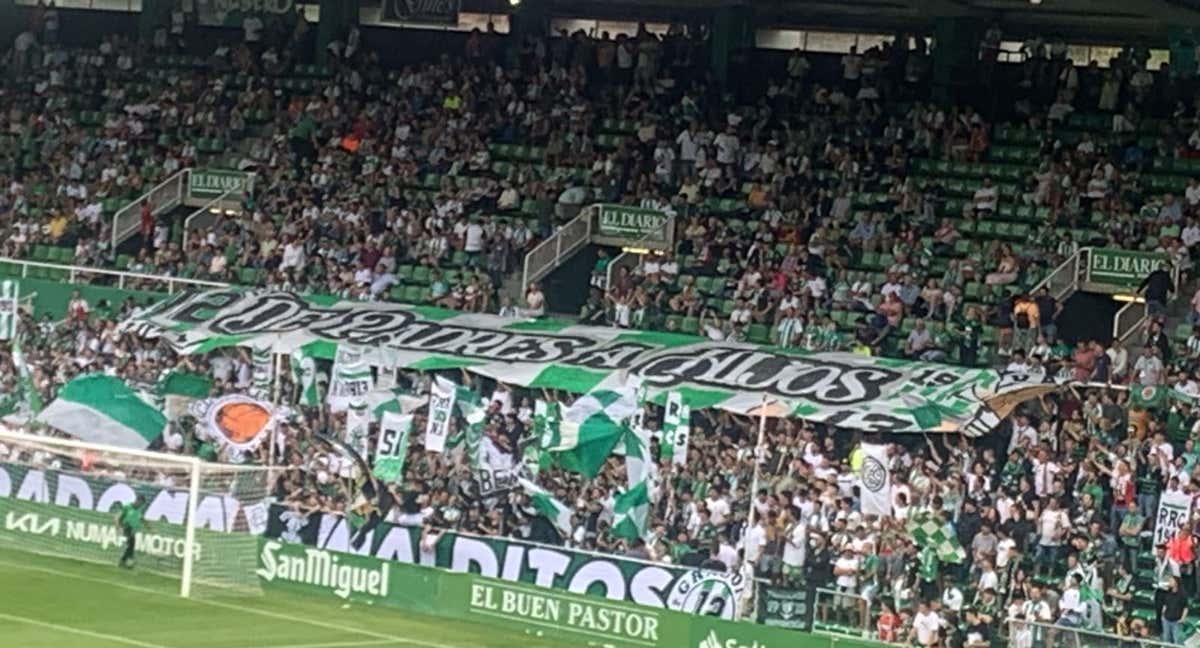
x=50, y=602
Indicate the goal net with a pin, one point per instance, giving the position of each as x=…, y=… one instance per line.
x=201, y=520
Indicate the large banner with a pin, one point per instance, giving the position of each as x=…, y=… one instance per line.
x=1174, y=511
x=103, y=495
x=843, y=389
x=652, y=584
x=876, y=480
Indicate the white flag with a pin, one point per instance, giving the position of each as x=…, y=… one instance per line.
x=676, y=429
x=351, y=378
x=875, y=480
x=441, y=410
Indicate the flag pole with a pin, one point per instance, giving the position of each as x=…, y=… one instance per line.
x=751, y=516
x=276, y=392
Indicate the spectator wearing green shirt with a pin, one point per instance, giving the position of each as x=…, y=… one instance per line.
x=1130, y=534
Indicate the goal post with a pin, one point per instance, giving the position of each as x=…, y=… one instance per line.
x=60, y=497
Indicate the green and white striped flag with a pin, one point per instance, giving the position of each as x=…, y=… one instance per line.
x=102, y=409
x=631, y=510
x=590, y=429
x=262, y=373
x=633, y=506
x=396, y=400
x=558, y=513
x=10, y=302
x=547, y=423
x=30, y=400
x=927, y=531
x=474, y=413
x=392, y=447
x=677, y=423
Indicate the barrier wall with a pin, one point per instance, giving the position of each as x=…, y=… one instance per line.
x=575, y=619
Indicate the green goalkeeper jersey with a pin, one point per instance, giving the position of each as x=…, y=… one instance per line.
x=131, y=517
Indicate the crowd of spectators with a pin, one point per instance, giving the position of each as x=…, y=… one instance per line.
x=832, y=202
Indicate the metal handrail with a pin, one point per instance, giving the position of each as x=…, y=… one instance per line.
x=121, y=276
x=207, y=207
x=122, y=232
x=554, y=242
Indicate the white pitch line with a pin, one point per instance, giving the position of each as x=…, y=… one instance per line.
x=236, y=608
x=79, y=631
x=335, y=644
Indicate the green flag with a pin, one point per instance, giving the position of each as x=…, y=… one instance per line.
x=31, y=398
x=304, y=375
x=927, y=531
x=186, y=384
x=1149, y=398
x=558, y=513
x=632, y=508
x=392, y=446
x=590, y=429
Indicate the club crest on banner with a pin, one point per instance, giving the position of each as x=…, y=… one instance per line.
x=235, y=421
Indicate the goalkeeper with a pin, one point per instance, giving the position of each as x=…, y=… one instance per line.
x=129, y=520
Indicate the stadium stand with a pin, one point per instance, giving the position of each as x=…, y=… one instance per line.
x=833, y=211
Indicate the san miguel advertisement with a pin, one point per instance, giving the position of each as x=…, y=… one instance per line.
x=547, y=613
x=654, y=585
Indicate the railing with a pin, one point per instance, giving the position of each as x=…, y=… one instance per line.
x=211, y=207
x=1028, y=634
x=119, y=278
x=842, y=614
x=549, y=254
x=1064, y=279
x=164, y=197
x=1129, y=319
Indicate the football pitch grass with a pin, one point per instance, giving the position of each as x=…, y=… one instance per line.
x=48, y=602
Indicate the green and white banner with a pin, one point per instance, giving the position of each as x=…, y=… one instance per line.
x=844, y=389
x=441, y=411
x=352, y=379
x=658, y=585
x=392, y=446
x=10, y=302
x=677, y=422
x=102, y=409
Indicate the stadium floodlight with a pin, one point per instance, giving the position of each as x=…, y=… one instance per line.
x=193, y=520
x=515, y=3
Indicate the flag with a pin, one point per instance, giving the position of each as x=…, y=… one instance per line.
x=876, y=480
x=474, y=414
x=558, y=513
x=441, y=409
x=262, y=373
x=927, y=531
x=10, y=302
x=397, y=401
x=31, y=399
x=676, y=429
x=631, y=510
x=1149, y=398
x=351, y=379
x=358, y=426
x=185, y=384
x=547, y=423
x=591, y=427
x=102, y=409
x=392, y=446
x=304, y=376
